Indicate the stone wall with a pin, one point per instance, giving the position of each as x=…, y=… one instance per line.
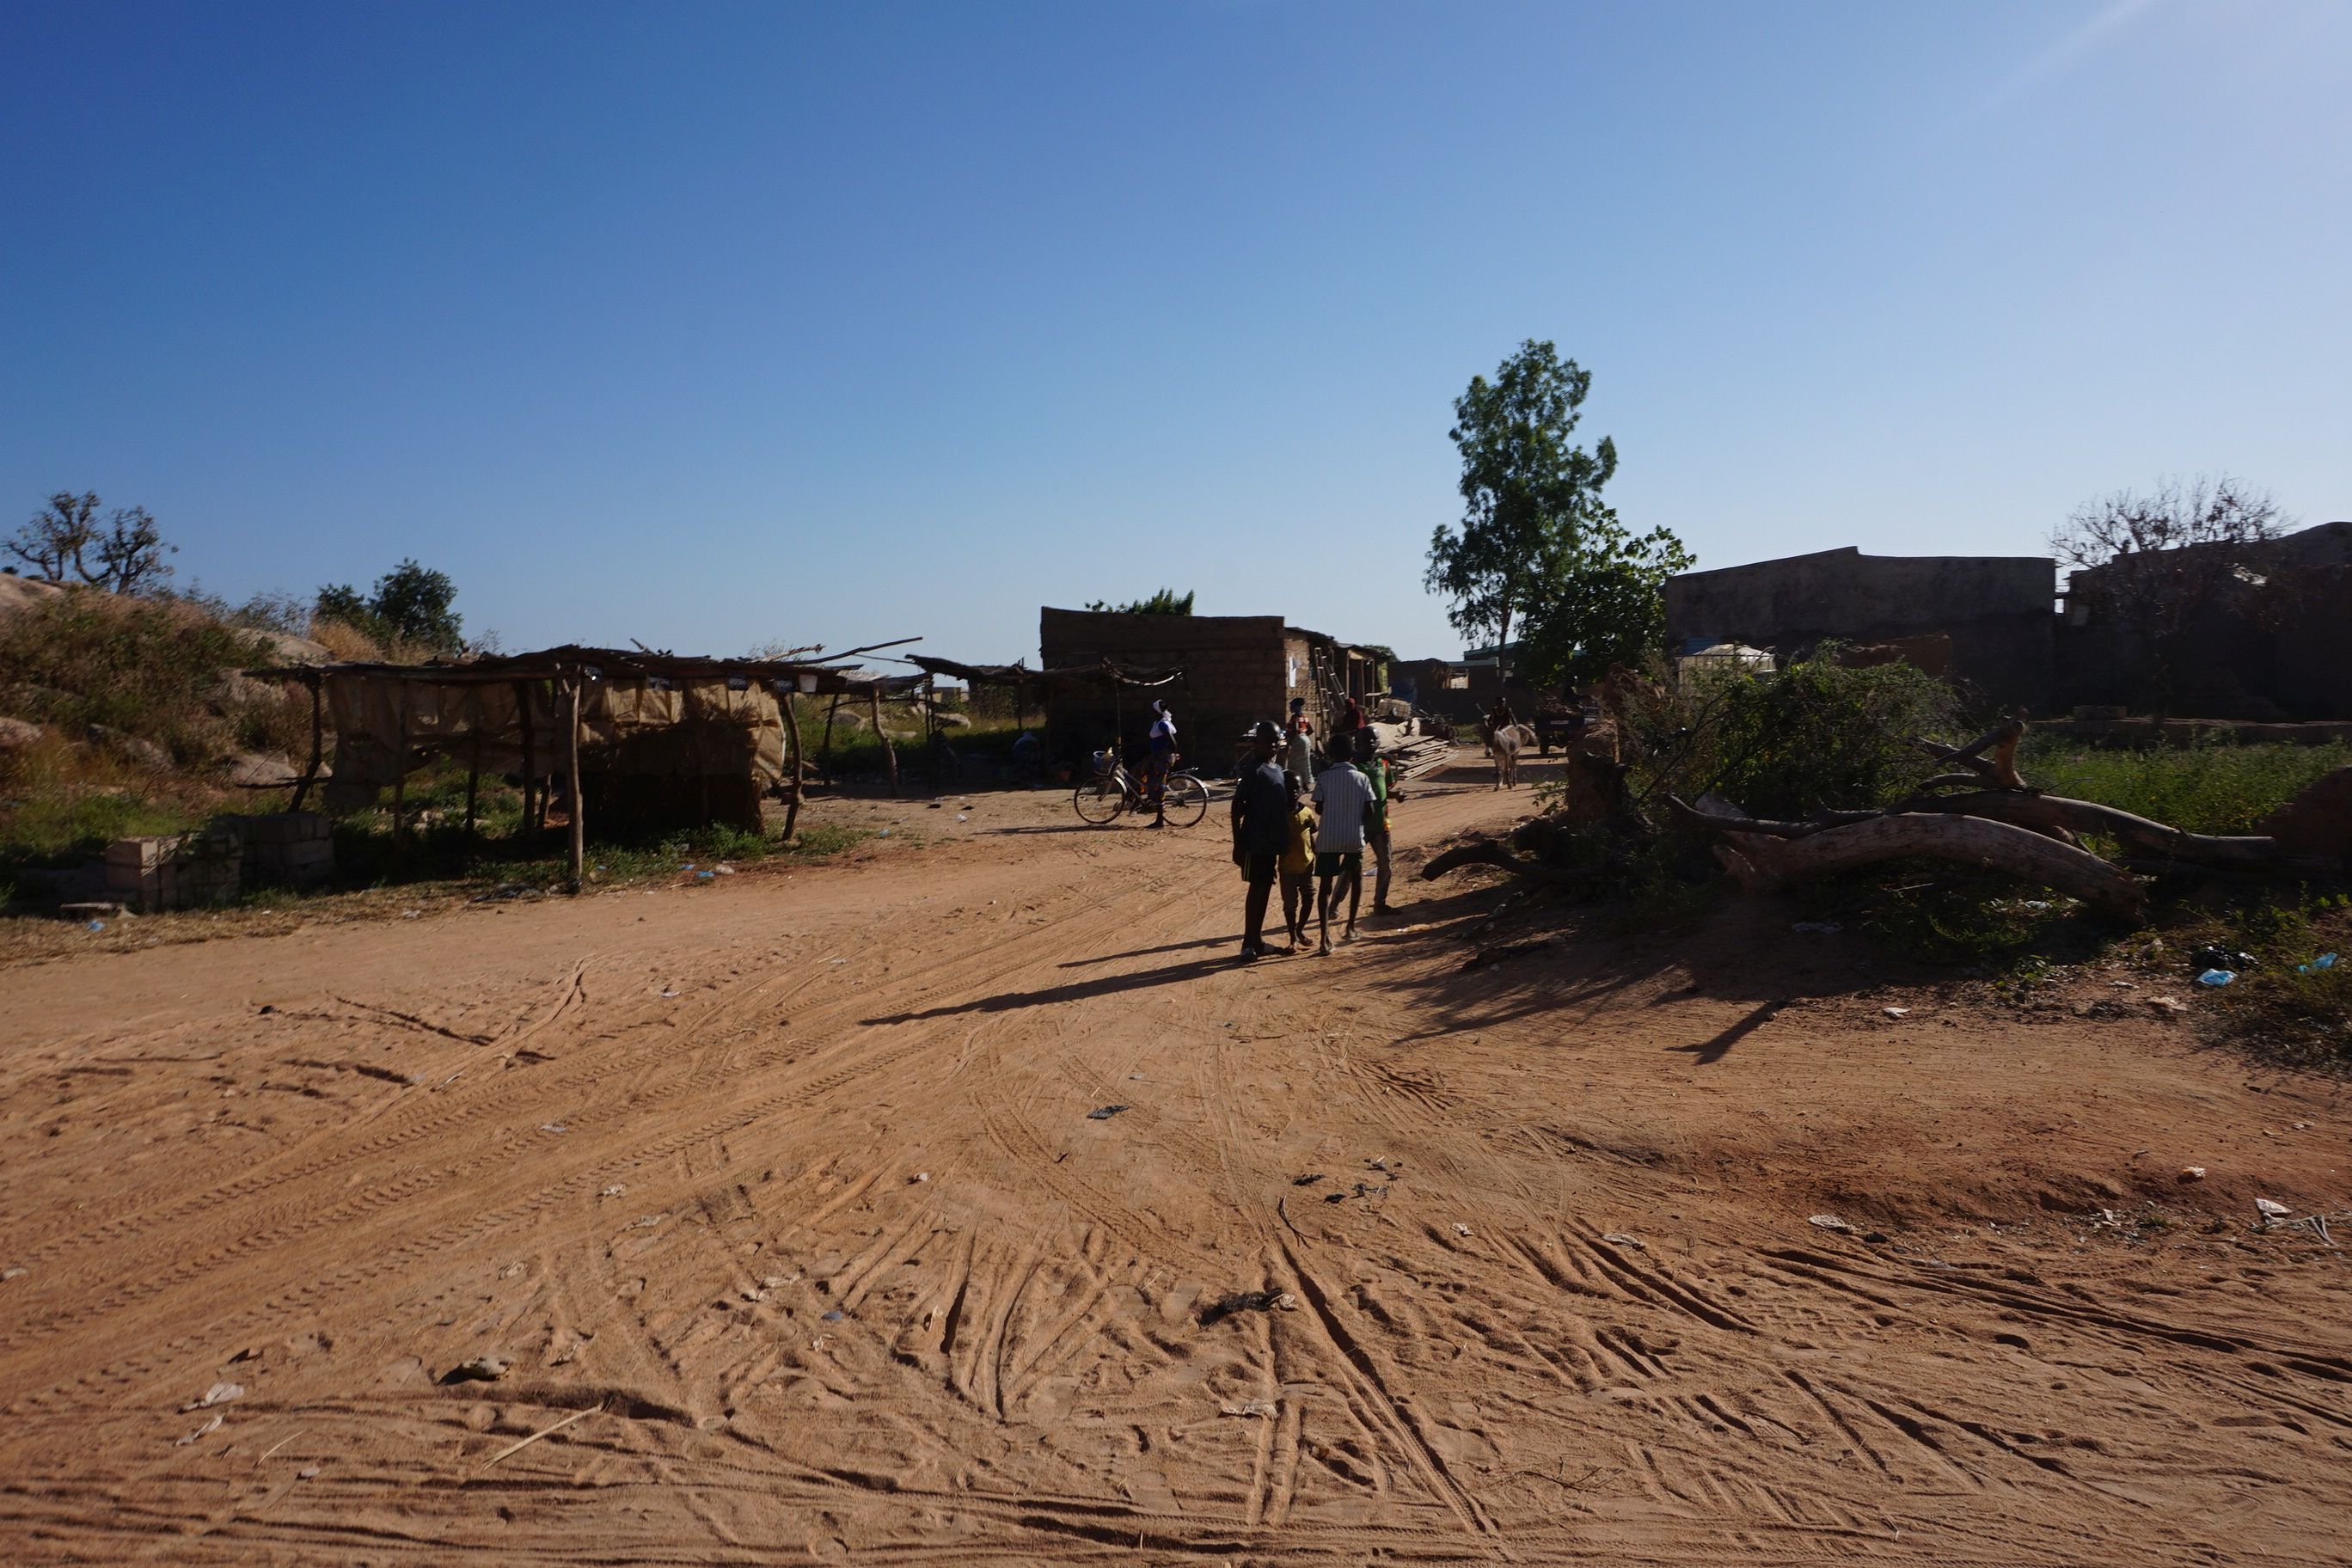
x=1997, y=609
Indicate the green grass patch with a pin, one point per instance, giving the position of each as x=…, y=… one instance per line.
x=2209, y=787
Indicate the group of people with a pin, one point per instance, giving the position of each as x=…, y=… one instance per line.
x=1309, y=828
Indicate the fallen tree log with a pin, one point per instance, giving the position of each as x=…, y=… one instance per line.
x=2056, y=814
x=2001, y=767
x=1484, y=852
x=1763, y=863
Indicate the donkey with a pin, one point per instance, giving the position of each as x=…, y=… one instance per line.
x=1504, y=745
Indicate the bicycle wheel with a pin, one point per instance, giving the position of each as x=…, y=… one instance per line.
x=1187, y=800
x=1100, y=801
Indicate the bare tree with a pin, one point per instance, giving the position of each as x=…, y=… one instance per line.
x=2158, y=565
x=64, y=536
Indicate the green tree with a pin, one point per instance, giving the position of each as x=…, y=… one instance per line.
x=410, y=604
x=1167, y=602
x=1526, y=489
x=1600, y=600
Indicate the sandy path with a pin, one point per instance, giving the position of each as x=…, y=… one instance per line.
x=789, y=1186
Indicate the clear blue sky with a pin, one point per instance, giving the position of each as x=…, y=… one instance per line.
x=710, y=325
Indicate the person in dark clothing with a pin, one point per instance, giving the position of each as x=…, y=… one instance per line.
x=1353, y=719
x=1261, y=830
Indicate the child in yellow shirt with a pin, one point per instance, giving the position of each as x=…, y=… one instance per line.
x=1297, y=866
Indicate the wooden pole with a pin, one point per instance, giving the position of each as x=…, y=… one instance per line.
x=318, y=741
x=400, y=773
x=890, y=752
x=824, y=748
x=785, y=701
x=474, y=773
x=530, y=753
x=578, y=795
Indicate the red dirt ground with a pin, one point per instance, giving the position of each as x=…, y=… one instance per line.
x=781, y=1202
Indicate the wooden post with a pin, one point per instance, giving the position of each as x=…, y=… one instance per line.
x=824, y=748
x=400, y=773
x=474, y=771
x=890, y=752
x=791, y=762
x=578, y=795
x=530, y=753
x=318, y=740
x=931, y=727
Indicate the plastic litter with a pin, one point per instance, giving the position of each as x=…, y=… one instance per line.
x=921, y=1176
x=1618, y=1238
x=615, y=1191
x=1461, y=1229
x=13, y=1273
x=554, y=1127
x=2217, y=957
x=95, y=925
x=1831, y=1222
x=961, y=817
x=1104, y=1112
x=883, y=833
x=836, y=1315
x=211, y=1426
x=704, y=876
x=2270, y=1208
x=2325, y=960
x=1897, y=1012
x=218, y=1394
x=667, y=994
x=2192, y=1172
x=1248, y=1407
x=2216, y=977
x=723, y=870
x=1822, y=928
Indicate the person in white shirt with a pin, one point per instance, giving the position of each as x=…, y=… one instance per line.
x=1298, y=758
x=1343, y=799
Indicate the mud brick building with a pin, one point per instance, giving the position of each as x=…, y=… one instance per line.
x=1236, y=671
x=1999, y=611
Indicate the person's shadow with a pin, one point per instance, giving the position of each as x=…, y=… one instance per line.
x=1076, y=991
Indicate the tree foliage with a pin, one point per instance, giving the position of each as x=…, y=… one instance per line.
x=410, y=604
x=2161, y=564
x=1600, y=600
x=65, y=538
x=1525, y=491
x=1166, y=601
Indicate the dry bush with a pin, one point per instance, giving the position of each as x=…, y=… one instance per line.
x=344, y=640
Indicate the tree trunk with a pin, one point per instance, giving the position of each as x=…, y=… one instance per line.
x=1764, y=864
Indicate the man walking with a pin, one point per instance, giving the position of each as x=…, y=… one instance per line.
x=1299, y=759
x=1342, y=797
x=1158, y=757
x=1261, y=825
x=1381, y=777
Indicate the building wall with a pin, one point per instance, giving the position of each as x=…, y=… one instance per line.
x=1235, y=672
x=2290, y=666
x=1996, y=609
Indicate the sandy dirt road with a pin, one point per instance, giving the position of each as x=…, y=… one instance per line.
x=782, y=1204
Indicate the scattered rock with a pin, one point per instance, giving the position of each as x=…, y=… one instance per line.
x=1832, y=1222
x=1225, y=1306
x=18, y=733
x=2192, y=1172
x=1618, y=1238
x=481, y=1369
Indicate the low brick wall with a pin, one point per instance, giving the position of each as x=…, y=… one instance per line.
x=220, y=860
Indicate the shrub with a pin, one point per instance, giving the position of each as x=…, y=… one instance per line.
x=148, y=668
x=1814, y=736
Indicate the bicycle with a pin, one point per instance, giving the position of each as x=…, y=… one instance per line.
x=1185, y=799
